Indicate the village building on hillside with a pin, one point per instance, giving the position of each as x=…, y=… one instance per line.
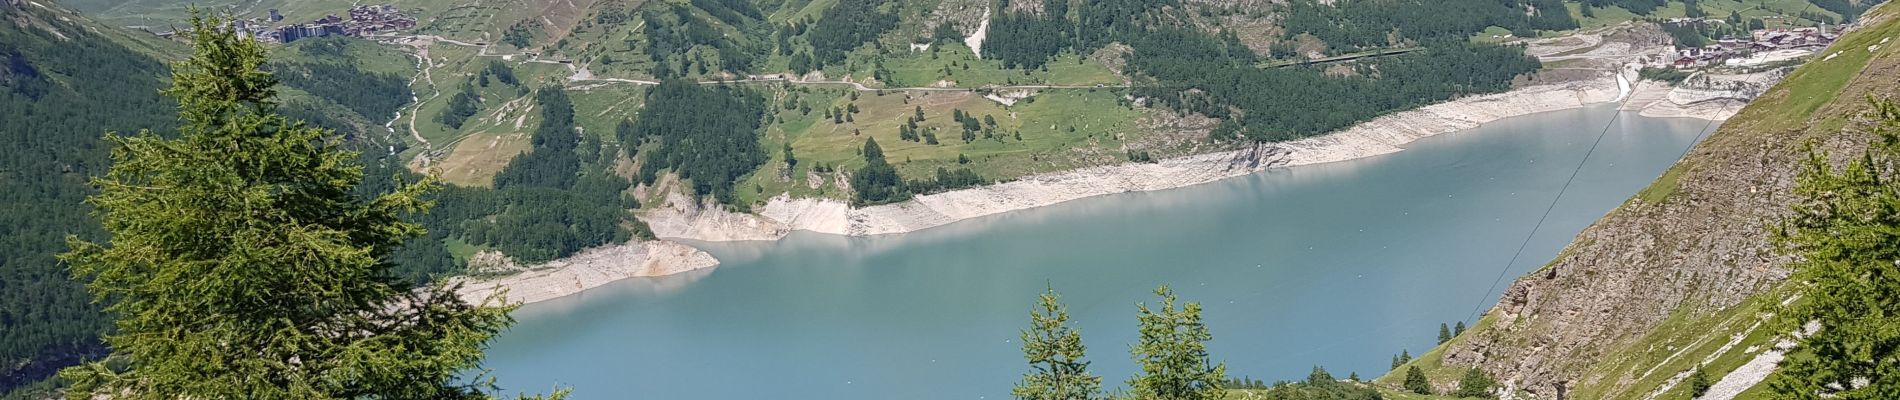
x=1738, y=51
x=363, y=20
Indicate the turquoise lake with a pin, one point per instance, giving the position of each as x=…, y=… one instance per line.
x=1340, y=265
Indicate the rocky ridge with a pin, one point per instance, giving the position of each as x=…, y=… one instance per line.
x=1693, y=245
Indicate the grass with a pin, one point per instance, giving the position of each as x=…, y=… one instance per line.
x=1813, y=101
x=1768, y=10
x=458, y=64
x=1404, y=395
x=1601, y=17
x=487, y=19
x=924, y=68
x=599, y=110
x=1100, y=126
x=1792, y=104
x=1749, y=9
x=462, y=250
x=475, y=161
x=1431, y=363
x=799, y=9
x=1816, y=101
x=1493, y=34
x=488, y=140
x=297, y=10
x=1678, y=345
x=1389, y=394
x=465, y=19
x=162, y=13
x=365, y=55
x=1665, y=185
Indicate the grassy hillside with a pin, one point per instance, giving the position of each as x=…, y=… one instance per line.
x=1682, y=276
x=1048, y=132
x=1674, y=280
x=1779, y=12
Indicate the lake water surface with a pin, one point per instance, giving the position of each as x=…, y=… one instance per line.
x=1340, y=265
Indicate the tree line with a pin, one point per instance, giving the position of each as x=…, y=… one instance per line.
x=879, y=183
x=682, y=43
x=243, y=262
x=1262, y=104
x=1188, y=69
x=1640, y=7
x=1171, y=352
x=1843, y=230
x=1028, y=40
x=679, y=131
x=1849, y=10
x=372, y=95
x=1354, y=25
x=846, y=26
x=59, y=95
x=547, y=203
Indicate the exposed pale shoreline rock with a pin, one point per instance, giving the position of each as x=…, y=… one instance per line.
x=1383, y=135
x=683, y=218
x=588, y=269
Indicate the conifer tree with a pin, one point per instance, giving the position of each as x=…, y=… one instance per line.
x=1699, y=383
x=1475, y=384
x=1319, y=376
x=1415, y=381
x=1459, y=329
x=1055, y=351
x=1172, y=353
x=1845, y=228
x=243, y=265
x=1444, y=333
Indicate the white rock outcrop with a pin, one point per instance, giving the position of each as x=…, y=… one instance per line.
x=587, y=270
x=1383, y=135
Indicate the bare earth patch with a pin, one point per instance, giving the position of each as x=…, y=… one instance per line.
x=475, y=160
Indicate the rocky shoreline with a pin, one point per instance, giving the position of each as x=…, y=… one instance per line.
x=587, y=270
x=1383, y=135
x=682, y=218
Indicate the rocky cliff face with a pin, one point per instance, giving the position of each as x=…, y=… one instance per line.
x=1696, y=243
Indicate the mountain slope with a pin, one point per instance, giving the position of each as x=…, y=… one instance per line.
x=65, y=81
x=62, y=85
x=1681, y=276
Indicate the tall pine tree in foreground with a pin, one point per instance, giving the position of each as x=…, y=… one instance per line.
x=1055, y=351
x=1846, y=231
x=242, y=266
x=1172, y=353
